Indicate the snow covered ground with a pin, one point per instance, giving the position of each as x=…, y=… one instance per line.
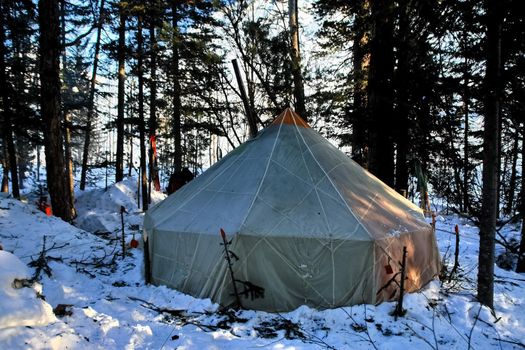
x=104, y=303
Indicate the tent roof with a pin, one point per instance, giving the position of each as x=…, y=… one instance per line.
x=288, y=181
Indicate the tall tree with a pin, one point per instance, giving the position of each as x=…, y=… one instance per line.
x=91, y=102
x=121, y=54
x=67, y=119
x=49, y=23
x=491, y=135
x=6, y=109
x=380, y=91
x=153, y=18
x=401, y=110
x=5, y=174
x=466, y=112
x=176, y=97
x=520, y=267
x=141, y=121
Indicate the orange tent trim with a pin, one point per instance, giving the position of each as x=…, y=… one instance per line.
x=291, y=118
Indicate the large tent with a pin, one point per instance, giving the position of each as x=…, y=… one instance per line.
x=308, y=224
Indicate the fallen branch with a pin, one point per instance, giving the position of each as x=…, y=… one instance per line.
x=41, y=263
x=511, y=342
x=160, y=310
x=364, y=328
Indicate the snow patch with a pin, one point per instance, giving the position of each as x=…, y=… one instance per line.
x=20, y=306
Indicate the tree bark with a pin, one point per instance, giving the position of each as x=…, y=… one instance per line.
x=5, y=173
x=91, y=102
x=67, y=117
x=177, y=132
x=493, y=86
x=252, y=124
x=401, y=111
x=513, y=173
x=295, y=53
x=49, y=22
x=7, y=111
x=142, y=124
x=152, y=106
x=466, y=100
x=119, y=161
x=521, y=253
x=69, y=162
x=380, y=92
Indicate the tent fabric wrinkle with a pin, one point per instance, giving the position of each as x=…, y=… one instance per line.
x=308, y=224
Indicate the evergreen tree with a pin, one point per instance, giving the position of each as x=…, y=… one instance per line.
x=349, y=102
x=20, y=92
x=380, y=91
x=494, y=90
x=9, y=143
x=49, y=23
x=121, y=76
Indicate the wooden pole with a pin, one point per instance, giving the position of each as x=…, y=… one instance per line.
x=147, y=263
x=122, y=211
x=456, y=255
x=399, y=307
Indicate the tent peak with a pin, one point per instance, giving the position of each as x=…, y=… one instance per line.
x=288, y=116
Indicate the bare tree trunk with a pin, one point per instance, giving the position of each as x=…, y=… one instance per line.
x=6, y=105
x=298, y=90
x=119, y=161
x=177, y=132
x=380, y=92
x=401, y=111
x=5, y=174
x=252, y=123
x=142, y=124
x=49, y=21
x=456, y=165
x=153, y=175
x=489, y=209
x=67, y=117
x=466, y=99
x=521, y=254
x=91, y=102
x=69, y=162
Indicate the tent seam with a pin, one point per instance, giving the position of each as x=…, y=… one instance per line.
x=262, y=178
x=198, y=192
x=336, y=189
x=327, y=222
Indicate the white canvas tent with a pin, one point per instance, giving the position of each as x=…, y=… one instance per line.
x=308, y=224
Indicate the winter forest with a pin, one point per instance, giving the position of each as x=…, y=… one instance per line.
x=103, y=103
